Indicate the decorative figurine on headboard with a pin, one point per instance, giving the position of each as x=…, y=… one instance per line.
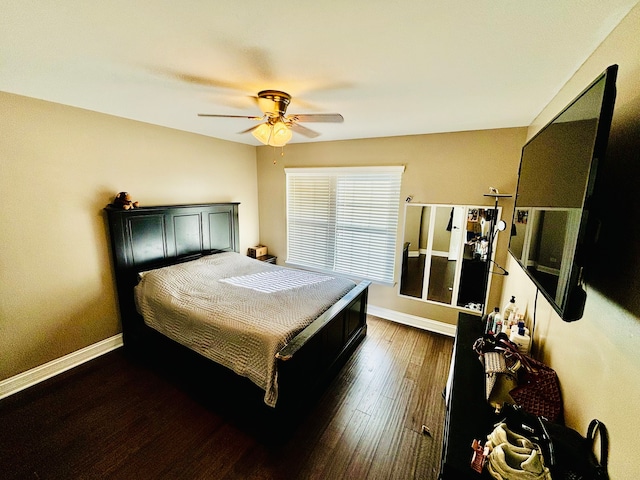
x=123, y=200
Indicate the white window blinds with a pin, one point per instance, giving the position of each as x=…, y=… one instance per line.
x=344, y=220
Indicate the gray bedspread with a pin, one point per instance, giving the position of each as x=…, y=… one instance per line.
x=235, y=310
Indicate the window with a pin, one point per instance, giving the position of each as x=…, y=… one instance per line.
x=344, y=220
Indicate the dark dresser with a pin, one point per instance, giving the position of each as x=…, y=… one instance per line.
x=468, y=415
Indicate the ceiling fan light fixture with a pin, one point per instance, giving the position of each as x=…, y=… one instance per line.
x=262, y=133
x=280, y=135
x=276, y=134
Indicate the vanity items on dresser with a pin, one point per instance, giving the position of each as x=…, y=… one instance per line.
x=479, y=443
x=515, y=378
x=525, y=446
x=509, y=455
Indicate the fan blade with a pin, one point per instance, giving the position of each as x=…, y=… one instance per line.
x=201, y=80
x=307, y=132
x=249, y=129
x=229, y=116
x=317, y=117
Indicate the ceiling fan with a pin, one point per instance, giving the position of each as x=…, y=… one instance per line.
x=277, y=127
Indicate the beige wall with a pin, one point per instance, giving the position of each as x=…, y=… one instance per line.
x=59, y=167
x=598, y=357
x=449, y=168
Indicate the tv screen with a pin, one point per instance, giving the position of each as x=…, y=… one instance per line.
x=558, y=169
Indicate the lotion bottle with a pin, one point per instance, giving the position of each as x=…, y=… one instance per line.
x=509, y=308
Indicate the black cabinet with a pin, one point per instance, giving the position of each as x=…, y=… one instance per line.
x=472, y=281
x=468, y=415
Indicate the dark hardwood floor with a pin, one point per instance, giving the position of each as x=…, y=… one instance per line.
x=413, y=279
x=441, y=277
x=125, y=418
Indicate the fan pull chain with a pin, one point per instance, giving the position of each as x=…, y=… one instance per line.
x=275, y=160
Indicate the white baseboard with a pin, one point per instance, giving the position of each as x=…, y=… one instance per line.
x=55, y=367
x=412, y=320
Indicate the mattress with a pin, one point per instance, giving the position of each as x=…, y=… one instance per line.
x=235, y=310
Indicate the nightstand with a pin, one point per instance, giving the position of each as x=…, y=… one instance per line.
x=267, y=258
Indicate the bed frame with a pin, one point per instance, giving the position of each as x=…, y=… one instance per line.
x=150, y=237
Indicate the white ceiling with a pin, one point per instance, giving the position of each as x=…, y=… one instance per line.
x=389, y=67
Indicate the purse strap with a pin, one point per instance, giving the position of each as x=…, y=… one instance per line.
x=597, y=427
x=510, y=350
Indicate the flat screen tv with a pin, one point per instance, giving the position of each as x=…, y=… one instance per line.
x=551, y=230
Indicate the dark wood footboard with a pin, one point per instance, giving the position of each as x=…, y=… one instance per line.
x=316, y=353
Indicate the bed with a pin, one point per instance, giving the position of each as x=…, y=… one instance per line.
x=199, y=244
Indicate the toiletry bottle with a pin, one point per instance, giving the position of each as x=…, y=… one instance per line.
x=491, y=321
x=497, y=323
x=513, y=322
x=508, y=308
x=520, y=324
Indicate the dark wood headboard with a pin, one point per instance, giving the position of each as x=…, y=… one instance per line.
x=150, y=237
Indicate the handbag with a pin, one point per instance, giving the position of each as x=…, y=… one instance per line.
x=500, y=379
x=500, y=372
x=574, y=454
x=538, y=390
x=568, y=454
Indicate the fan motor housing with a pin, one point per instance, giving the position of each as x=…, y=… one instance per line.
x=273, y=102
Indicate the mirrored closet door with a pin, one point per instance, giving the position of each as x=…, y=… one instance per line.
x=444, y=256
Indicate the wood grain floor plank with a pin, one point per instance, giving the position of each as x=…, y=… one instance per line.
x=377, y=449
x=341, y=457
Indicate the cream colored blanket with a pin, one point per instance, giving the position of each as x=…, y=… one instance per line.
x=235, y=310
